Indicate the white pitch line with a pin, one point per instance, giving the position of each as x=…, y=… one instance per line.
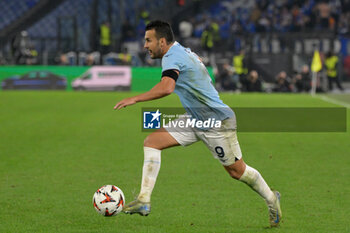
x=333, y=101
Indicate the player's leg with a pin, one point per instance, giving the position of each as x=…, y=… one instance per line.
x=153, y=145
x=242, y=172
x=250, y=176
x=225, y=147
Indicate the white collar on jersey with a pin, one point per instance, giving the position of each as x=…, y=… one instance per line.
x=175, y=43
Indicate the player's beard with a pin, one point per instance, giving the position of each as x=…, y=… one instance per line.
x=157, y=53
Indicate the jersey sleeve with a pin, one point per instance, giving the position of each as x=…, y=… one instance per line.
x=172, y=62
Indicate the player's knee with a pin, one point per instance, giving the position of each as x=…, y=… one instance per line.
x=147, y=141
x=236, y=170
x=151, y=141
x=235, y=175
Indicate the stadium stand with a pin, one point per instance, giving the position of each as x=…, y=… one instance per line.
x=10, y=10
x=267, y=30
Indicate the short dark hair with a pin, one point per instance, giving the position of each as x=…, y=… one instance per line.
x=163, y=29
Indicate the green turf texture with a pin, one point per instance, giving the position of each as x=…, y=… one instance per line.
x=57, y=148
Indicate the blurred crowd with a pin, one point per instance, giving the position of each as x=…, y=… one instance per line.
x=23, y=50
x=232, y=17
x=225, y=20
x=240, y=17
x=212, y=28
x=237, y=77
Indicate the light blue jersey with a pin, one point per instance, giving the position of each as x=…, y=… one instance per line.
x=194, y=86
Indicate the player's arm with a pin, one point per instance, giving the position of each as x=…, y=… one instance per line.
x=165, y=87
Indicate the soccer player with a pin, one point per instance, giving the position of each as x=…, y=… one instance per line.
x=184, y=74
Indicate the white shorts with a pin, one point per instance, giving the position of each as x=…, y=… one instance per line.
x=222, y=142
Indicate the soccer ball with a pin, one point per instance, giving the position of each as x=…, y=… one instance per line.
x=108, y=200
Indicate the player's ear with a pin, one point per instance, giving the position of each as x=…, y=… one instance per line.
x=162, y=42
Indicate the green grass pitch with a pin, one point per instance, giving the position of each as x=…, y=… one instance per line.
x=57, y=148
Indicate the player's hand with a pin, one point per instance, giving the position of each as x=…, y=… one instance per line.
x=125, y=102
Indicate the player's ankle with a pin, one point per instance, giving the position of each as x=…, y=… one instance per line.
x=271, y=199
x=144, y=197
